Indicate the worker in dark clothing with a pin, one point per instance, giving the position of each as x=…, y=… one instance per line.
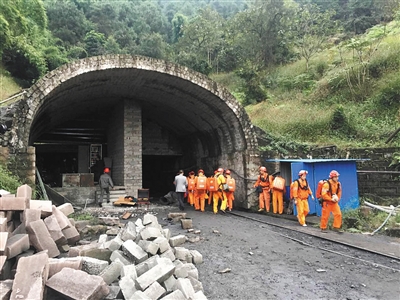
x=105, y=183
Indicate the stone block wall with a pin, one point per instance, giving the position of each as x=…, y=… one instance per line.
x=22, y=163
x=132, y=147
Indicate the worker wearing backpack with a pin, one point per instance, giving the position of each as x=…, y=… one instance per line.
x=265, y=182
x=201, y=185
x=331, y=193
x=301, y=191
x=231, y=189
x=191, y=187
x=278, y=189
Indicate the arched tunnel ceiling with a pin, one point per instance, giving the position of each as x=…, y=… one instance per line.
x=177, y=104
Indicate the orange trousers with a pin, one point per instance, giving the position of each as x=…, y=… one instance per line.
x=200, y=201
x=302, y=210
x=277, y=201
x=210, y=197
x=230, y=197
x=216, y=197
x=191, y=196
x=329, y=207
x=264, y=199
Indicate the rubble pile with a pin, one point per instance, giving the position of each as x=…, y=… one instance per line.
x=40, y=258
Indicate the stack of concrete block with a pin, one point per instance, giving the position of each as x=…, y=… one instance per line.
x=142, y=261
x=144, y=264
x=27, y=227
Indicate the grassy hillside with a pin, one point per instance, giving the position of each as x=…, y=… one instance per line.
x=8, y=86
x=350, y=95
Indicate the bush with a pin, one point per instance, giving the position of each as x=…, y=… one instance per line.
x=8, y=181
x=320, y=67
x=339, y=123
x=384, y=63
x=302, y=82
x=389, y=96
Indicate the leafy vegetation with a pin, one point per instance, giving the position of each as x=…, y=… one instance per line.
x=8, y=181
x=358, y=220
x=308, y=71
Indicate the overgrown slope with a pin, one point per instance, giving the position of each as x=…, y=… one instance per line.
x=349, y=96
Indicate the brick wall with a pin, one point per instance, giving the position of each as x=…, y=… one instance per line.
x=132, y=147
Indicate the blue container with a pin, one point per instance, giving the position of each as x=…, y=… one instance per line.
x=319, y=169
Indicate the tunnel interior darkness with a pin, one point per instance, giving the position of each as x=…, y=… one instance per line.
x=184, y=126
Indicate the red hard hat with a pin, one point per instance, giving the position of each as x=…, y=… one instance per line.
x=191, y=173
x=333, y=173
x=106, y=170
x=220, y=170
x=301, y=172
x=228, y=172
x=200, y=171
x=263, y=169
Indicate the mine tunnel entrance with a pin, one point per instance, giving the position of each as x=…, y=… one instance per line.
x=148, y=117
x=79, y=145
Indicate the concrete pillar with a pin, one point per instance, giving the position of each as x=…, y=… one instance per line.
x=132, y=147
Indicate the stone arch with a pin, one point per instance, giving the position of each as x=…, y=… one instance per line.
x=204, y=117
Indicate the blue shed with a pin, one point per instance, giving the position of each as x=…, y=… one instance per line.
x=319, y=169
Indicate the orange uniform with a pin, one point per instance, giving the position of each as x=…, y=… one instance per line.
x=264, y=199
x=301, y=191
x=330, y=204
x=277, y=197
x=199, y=203
x=229, y=196
x=191, y=188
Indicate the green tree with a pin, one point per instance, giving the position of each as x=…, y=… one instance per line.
x=202, y=36
x=260, y=32
x=178, y=22
x=25, y=39
x=311, y=29
x=153, y=45
x=67, y=22
x=94, y=43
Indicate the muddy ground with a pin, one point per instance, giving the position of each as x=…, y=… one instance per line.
x=265, y=265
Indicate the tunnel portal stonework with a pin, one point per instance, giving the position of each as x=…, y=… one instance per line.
x=150, y=108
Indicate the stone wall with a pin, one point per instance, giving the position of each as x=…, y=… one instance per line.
x=22, y=163
x=133, y=147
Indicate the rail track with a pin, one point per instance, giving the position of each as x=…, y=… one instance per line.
x=327, y=243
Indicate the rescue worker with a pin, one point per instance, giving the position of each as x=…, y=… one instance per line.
x=220, y=194
x=229, y=195
x=200, y=200
x=278, y=190
x=301, y=191
x=331, y=193
x=191, y=188
x=105, y=182
x=211, y=194
x=265, y=182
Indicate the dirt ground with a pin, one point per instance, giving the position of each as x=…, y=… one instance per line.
x=265, y=265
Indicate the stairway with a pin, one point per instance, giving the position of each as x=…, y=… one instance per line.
x=118, y=191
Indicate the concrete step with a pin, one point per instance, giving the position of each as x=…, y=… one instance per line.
x=118, y=191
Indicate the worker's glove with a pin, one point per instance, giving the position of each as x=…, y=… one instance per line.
x=295, y=201
x=312, y=197
x=335, y=198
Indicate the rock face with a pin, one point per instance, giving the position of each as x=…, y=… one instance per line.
x=146, y=262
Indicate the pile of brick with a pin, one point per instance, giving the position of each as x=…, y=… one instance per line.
x=39, y=258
